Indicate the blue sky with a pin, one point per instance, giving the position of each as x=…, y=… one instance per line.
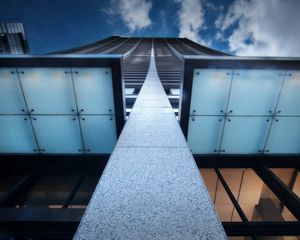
x=242, y=27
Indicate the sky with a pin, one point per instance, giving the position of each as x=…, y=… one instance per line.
x=240, y=27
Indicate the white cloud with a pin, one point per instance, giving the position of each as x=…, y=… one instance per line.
x=134, y=13
x=264, y=28
x=191, y=19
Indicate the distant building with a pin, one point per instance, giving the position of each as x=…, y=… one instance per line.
x=13, y=39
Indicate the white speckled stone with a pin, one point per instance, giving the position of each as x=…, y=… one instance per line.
x=151, y=187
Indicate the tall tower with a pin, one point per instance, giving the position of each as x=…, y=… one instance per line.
x=13, y=39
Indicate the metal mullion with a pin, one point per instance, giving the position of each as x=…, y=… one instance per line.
x=273, y=117
x=231, y=196
x=19, y=190
x=233, y=200
x=73, y=192
x=216, y=190
x=29, y=115
x=225, y=116
x=239, y=192
x=77, y=110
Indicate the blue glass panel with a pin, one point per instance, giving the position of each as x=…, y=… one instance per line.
x=99, y=133
x=16, y=135
x=289, y=102
x=11, y=98
x=48, y=90
x=245, y=135
x=94, y=90
x=204, y=134
x=255, y=92
x=58, y=134
x=284, y=136
x=210, y=91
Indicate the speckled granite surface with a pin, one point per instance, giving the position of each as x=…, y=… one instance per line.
x=151, y=187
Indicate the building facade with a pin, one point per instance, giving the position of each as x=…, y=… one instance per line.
x=118, y=104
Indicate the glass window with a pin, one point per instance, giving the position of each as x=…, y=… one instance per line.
x=204, y=134
x=16, y=134
x=210, y=91
x=58, y=134
x=11, y=97
x=245, y=135
x=289, y=101
x=284, y=136
x=255, y=92
x=99, y=133
x=94, y=90
x=48, y=90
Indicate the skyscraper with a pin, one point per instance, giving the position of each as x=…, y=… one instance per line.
x=13, y=39
x=147, y=110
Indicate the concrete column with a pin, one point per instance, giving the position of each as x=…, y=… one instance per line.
x=151, y=187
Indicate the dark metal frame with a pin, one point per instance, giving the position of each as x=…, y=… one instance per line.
x=247, y=161
x=262, y=228
x=39, y=223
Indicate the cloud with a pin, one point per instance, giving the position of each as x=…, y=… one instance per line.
x=134, y=13
x=262, y=28
x=191, y=19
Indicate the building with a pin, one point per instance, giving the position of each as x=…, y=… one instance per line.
x=62, y=116
x=13, y=39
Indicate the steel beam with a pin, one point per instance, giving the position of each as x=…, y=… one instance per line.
x=262, y=228
x=232, y=197
x=283, y=192
x=19, y=190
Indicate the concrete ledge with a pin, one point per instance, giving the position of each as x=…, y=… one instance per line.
x=151, y=187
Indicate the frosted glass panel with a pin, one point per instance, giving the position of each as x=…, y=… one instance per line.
x=16, y=135
x=99, y=133
x=94, y=90
x=11, y=98
x=289, y=102
x=48, y=90
x=210, y=91
x=58, y=134
x=284, y=136
x=204, y=134
x=245, y=135
x=255, y=92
